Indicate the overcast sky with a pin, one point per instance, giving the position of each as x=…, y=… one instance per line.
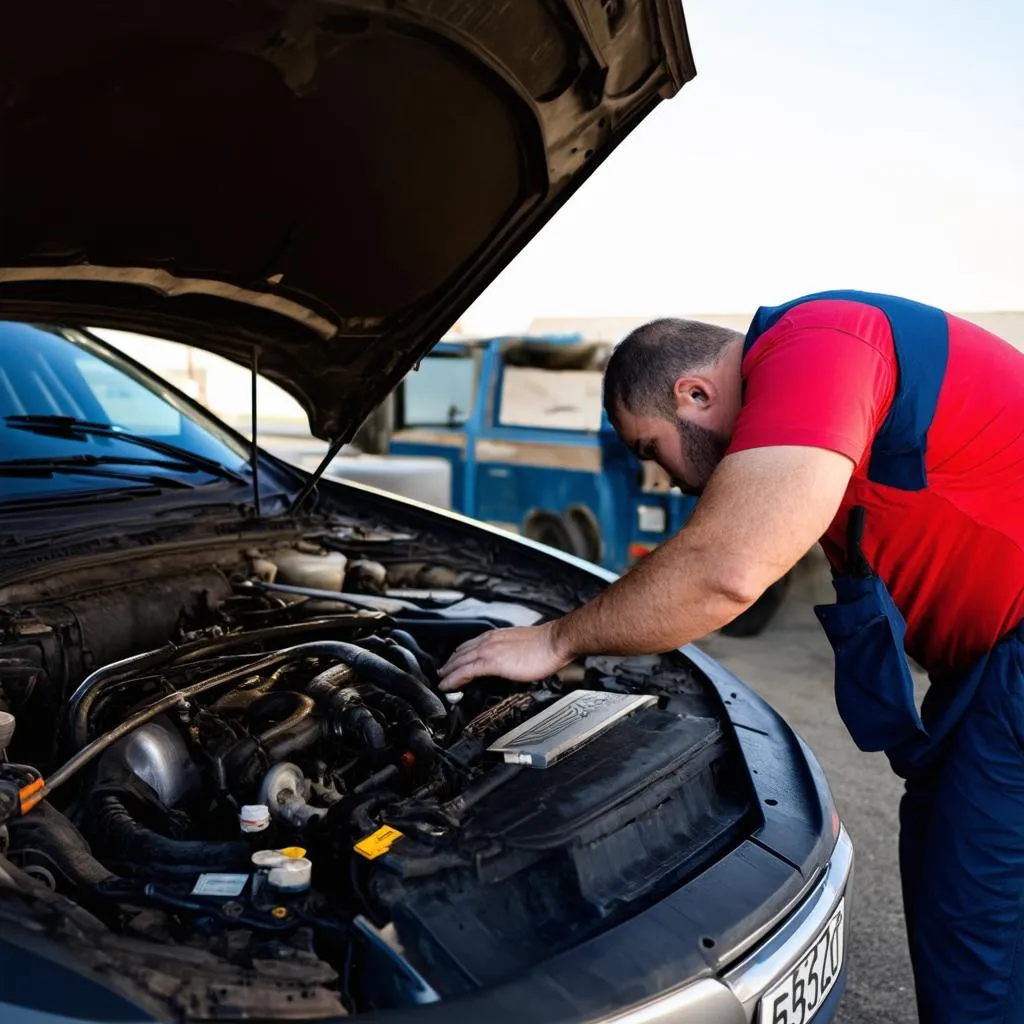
x=876, y=145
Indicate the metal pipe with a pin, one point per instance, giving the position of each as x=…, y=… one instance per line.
x=381, y=672
x=310, y=485
x=95, y=684
x=254, y=452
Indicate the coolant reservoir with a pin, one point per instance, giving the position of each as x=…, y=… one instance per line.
x=6, y=730
x=324, y=570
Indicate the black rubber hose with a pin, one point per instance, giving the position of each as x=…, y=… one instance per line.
x=394, y=709
x=408, y=641
x=381, y=672
x=483, y=787
x=153, y=855
x=50, y=833
x=404, y=658
x=348, y=717
x=361, y=819
x=93, y=686
x=385, y=675
x=356, y=723
x=396, y=654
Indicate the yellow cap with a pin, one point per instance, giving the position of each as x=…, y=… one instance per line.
x=293, y=851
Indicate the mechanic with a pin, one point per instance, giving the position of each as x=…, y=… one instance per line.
x=893, y=433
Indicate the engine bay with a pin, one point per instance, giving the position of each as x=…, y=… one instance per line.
x=239, y=784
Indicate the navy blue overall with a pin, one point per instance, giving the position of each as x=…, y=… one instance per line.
x=962, y=756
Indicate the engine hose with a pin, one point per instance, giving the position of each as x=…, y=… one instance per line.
x=381, y=672
x=483, y=787
x=395, y=653
x=361, y=812
x=408, y=659
x=407, y=640
x=357, y=722
x=139, y=665
x=49, y=832
x=128, y=842
x=387, y=676
x=416, y=734
x=348, y=717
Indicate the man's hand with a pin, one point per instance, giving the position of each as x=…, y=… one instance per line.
x=524, y=654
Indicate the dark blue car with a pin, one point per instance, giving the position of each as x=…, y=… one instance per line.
x=229, y=785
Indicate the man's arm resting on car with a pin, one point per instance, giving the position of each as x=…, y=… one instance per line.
x=763, y=509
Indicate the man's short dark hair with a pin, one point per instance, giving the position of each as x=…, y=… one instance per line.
x=643, y=367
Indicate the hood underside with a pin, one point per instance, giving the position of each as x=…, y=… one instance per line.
x=327, y=185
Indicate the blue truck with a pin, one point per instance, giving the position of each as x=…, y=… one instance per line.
x=521, y=422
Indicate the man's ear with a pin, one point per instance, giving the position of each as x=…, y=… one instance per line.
x=693, y=392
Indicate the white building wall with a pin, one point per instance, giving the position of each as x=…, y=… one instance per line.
x=224, y=386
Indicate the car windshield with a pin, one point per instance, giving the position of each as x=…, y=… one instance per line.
x=51, y=379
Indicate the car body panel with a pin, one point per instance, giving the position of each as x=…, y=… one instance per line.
x=323, y=189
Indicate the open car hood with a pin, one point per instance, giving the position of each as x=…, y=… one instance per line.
x=326, y=184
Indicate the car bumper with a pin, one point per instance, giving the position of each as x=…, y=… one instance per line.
x=733, y=997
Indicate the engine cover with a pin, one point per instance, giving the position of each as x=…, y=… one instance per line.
x=602, y=832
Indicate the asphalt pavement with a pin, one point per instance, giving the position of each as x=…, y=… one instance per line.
x=791, y=666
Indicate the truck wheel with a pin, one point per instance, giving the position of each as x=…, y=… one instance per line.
x=554, y=531
x=760, y=613
x=585, y=523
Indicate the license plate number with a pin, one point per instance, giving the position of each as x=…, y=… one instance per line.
x=799, y=995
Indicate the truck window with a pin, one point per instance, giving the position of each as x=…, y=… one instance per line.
x=553, y=399
x=440, y=393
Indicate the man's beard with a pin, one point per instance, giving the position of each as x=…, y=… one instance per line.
x=705, y=449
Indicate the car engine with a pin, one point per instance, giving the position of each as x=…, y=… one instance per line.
x=237, y=780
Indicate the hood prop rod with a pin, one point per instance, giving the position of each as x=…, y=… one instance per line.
x=307, y=490
x=254, y=456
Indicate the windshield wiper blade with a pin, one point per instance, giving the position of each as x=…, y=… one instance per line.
x=68, y=426
x=96, y=465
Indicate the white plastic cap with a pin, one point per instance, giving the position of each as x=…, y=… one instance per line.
x=268, y=858
x=454, y=697
x=254, y=818
x=293, y=875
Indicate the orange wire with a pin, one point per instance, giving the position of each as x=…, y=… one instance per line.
x=31, y=794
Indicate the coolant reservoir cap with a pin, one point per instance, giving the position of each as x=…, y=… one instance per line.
x=254, y=818
x=291, y=875
x=272, y=858
x=268, y=858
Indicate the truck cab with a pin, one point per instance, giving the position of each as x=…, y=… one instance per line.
x=521, y=421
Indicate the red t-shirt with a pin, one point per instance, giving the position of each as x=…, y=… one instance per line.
x=952, y=555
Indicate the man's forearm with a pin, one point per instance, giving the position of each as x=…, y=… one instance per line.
x=761, y=512
x=676, y=595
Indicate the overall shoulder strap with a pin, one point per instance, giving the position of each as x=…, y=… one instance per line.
x=920, y=335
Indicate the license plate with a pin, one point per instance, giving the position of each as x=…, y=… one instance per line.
x=799, y=995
